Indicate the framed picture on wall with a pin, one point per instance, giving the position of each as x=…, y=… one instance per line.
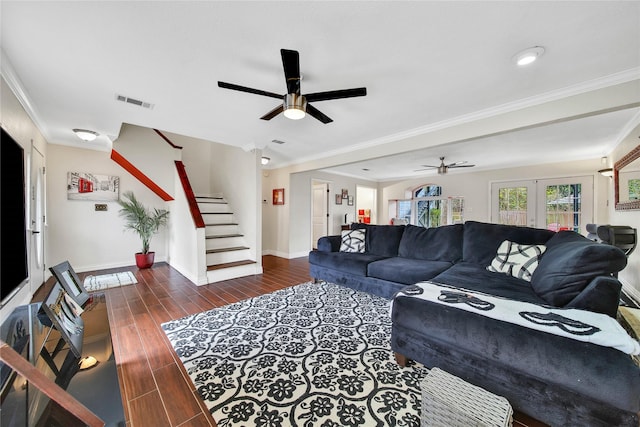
x=338, y=199
x=93, y=187
x=278, y=196
x=345, y=193
x=350, y=201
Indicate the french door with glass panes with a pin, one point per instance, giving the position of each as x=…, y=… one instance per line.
x=555, y=204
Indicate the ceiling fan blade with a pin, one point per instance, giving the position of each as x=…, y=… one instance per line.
x=336, y=94
x=457, y=163
x=249, y=90
x=460, y=166
x=271, y=114
x=430, y=166
x=314, y=112
x=291, y=65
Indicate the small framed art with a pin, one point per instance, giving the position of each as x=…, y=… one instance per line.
x=278, y=196
x=350, y=201
x=345, y=193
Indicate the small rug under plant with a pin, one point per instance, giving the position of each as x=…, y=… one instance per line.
x=316, y=354
x=106, y=281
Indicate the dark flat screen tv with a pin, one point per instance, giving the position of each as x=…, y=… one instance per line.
x=14, y=271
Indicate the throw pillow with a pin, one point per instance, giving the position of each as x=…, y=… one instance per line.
x=517, y=260
x=353, y=240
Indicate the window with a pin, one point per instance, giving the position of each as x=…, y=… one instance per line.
x=427, y=208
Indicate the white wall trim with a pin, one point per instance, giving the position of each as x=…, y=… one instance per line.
x=573, y=90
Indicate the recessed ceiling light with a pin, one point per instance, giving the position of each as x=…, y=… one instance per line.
x=528, y=56
x=86, y=135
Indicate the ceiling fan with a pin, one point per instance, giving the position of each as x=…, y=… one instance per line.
x=442, y=169
x=294, y=104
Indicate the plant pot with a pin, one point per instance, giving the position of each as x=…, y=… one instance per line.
x=145, y=260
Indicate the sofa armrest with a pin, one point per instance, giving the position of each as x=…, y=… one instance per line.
x=329, y=243
x=602, y=295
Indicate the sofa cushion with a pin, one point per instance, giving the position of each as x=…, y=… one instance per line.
x=405, y=270
x=434, y=244
x=354, y=263
x=481, y=240
x=516, y=260
x=473, y=277
x=382, y=240
x=570, y=263
x=353, y=241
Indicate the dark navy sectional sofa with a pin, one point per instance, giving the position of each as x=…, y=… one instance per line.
x=555, y=379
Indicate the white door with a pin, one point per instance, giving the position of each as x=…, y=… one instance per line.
x=555, y=204
x=565, y=203
x=36, y=219
x=320, y=212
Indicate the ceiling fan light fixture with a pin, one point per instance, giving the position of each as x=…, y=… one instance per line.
x=528, y=56
x=86, y=135
x=295, y=106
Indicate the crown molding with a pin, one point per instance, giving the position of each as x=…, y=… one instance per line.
x=15, y=84
x=573, y=90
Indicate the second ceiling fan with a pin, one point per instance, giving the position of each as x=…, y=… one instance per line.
x=294, y=104
x=442, y=169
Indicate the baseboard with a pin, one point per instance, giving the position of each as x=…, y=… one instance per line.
x=631, y=293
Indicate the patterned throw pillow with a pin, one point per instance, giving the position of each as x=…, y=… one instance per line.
x=353, y=240
x=517, y=260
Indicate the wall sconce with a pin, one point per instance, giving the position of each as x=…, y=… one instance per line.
x=606, y=172
x=264, y=160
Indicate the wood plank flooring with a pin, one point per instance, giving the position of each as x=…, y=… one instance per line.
x=156, y=390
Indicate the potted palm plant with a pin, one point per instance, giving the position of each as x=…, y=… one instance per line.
x=144, y=222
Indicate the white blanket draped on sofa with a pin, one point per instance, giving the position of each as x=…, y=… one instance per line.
x=572, y=323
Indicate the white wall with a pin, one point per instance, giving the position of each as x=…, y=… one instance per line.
x=287, y=228
x=19, y=125
x=630, y=276
x=89, y=239
x=475, y=186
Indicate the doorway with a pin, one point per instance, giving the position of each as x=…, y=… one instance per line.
x=36, y=219
x=366, y=199
x=555, y=204
x=319, y=211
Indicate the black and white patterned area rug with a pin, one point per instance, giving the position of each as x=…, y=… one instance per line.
x=316, y=354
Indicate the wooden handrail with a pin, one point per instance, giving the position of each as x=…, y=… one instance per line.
x=129, y=167
x=167, y=139
x=47, y=386
x=191, y=198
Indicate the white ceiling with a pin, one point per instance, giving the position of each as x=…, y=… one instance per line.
x=427, y=66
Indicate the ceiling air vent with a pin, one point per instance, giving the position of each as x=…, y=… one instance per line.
x=134, y=101
x=277, y=141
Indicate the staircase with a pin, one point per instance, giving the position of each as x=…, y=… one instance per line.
x=227, y=254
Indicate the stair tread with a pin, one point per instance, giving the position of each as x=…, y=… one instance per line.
x=219, y=250
x=222, y=223
x=212, y=202
x=230, y=264
x=216, y=213
x=223, y=236
x=209, y=197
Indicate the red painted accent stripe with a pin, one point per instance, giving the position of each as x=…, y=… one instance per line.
x=119, y=159
x=168, y=140
x=188, y=192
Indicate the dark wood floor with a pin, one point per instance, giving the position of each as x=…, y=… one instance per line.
x=156, y=390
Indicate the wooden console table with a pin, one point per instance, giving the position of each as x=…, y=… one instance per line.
x=96, y=387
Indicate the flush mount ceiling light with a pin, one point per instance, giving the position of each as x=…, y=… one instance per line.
x=528, y=56
x=295, y=106
x=606, y=172
x=86, y=135
x=265, y=160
